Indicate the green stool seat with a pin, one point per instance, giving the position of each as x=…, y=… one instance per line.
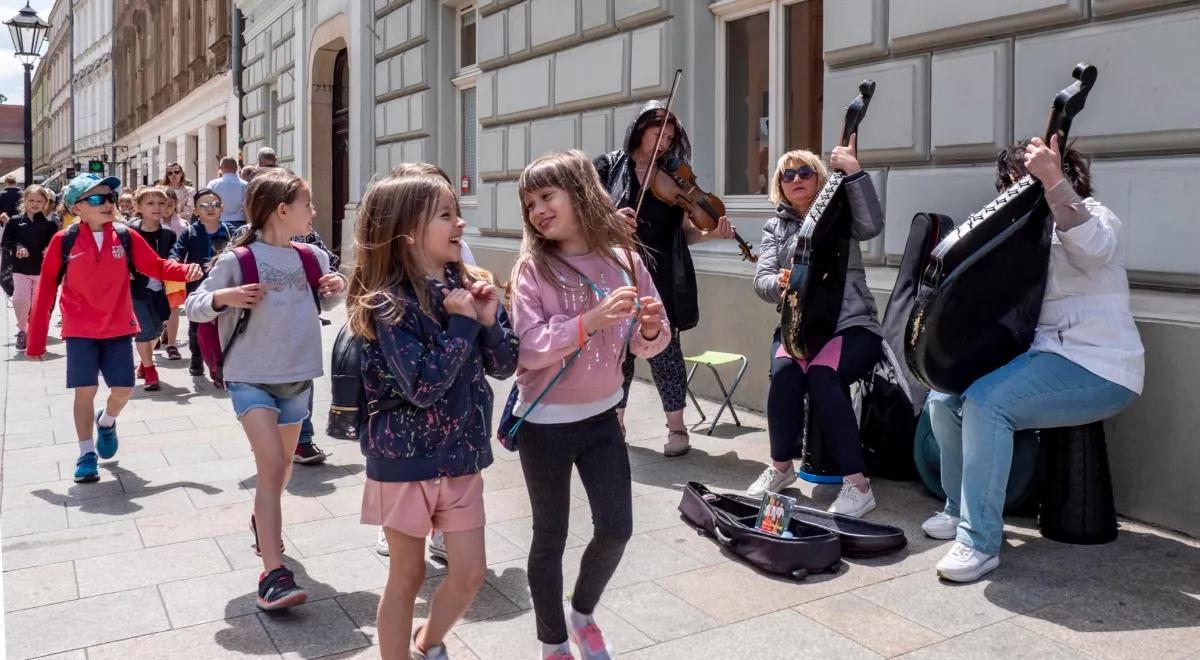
x=712, y=360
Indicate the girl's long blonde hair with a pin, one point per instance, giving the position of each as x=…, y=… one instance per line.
x=804, y=157
x=602, y=227
x=395, y=209
x=37, y=189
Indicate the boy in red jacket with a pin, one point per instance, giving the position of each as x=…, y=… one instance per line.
x=98, y=324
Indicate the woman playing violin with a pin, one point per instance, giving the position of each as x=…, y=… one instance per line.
x=664, y=232
x=855, y=347
x=1085, y=363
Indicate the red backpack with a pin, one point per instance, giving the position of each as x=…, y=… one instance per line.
x=209, y=336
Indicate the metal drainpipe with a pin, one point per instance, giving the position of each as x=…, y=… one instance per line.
x=236, y=38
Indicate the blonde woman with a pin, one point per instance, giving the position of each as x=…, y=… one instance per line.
x=847, y=357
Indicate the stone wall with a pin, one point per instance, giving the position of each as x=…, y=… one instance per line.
x=269, y=87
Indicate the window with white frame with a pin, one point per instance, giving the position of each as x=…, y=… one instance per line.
x=770, y=74
x=464, y=84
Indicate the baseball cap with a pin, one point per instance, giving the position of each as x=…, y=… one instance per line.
x=78, y=188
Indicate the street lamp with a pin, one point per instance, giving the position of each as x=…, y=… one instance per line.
x=28, y=33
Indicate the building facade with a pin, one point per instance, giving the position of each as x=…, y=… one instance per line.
x=92, y=81
x=482, y=87
x=173, y=89
x=53, y=102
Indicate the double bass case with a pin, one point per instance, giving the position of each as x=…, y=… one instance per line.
x=730, y=520
x=981, y=294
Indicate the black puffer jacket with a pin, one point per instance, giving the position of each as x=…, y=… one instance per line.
x=660, y=227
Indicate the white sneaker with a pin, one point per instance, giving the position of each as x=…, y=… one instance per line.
x=965, y=564
x=771, y=480
x=437, y=546
x=941, y=526
x=586, y=635
x=381, y=543
x=853, y=502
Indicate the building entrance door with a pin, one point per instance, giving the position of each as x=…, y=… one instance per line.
x=341, y=144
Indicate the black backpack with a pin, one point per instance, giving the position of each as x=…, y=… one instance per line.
x=348, y=404
x=72, y=234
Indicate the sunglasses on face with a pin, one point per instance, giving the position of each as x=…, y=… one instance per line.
x=100, y=198
x=209, y=206
x=174, y=172
x=804, y=173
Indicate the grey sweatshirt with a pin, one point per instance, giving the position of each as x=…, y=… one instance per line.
x=282, y=341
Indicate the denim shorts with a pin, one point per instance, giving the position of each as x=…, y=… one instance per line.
x=247, y=397
x=88, y=358
x=148, y=312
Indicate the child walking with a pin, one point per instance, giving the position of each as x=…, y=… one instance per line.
x=95, y=259
x=26, y=237
x=432, y=329
x=271, y=339
x=176, y=292
x=150, y=303
x=202, y=240
x=579, y=285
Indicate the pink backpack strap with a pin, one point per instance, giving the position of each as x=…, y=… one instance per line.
x=249, y=266
x=312, y=270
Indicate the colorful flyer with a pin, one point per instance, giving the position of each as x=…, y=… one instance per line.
x=775, y=513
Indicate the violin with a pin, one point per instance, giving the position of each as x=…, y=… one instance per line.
x=674, y=183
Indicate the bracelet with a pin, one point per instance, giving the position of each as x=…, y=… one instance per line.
x=582, y=334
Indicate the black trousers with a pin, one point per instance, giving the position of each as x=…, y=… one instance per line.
x=829, y=401
x=596, y=448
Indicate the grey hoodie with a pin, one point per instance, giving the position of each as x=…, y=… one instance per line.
x=779, y=243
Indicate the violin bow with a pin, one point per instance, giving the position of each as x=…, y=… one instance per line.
x=637, y=212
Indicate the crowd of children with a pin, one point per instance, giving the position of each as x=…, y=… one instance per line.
x=432, y=327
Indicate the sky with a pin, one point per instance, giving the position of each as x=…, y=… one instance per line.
x=12, y=82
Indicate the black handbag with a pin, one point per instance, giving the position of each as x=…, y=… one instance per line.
x=6, y=271
x=732, y=523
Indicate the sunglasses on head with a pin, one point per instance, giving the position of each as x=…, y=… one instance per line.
x=99, y=199
x=209, y=206
x=804, y=173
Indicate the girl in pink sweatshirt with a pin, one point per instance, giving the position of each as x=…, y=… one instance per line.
x=578, y=285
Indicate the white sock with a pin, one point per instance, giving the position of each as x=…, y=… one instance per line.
x=87, y=446
x=107, y=420
x=551, y=649
x=580, y=620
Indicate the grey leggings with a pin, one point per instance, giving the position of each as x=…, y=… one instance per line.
x=548, y=451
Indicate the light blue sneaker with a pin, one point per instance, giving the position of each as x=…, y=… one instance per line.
x=106, y=438
x=85, y=468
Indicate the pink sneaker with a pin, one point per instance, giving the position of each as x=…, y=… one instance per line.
x=589, y=639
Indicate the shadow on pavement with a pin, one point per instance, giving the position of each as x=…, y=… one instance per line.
x=124, y=504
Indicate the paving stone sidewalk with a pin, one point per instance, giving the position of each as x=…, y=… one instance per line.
x=154, y=561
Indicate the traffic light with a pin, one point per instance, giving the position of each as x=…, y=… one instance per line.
x=96, y=166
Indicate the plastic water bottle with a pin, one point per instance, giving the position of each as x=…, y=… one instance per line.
x=787, y=534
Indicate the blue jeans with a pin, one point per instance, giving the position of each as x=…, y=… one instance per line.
x=975, y=432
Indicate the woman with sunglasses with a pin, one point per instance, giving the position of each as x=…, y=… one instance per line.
x=855, y=347
x=178, y=185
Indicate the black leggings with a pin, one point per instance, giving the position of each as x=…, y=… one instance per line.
x=548, y=451
x=828, y=399
x=670, y=376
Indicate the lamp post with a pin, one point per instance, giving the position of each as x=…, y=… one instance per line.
x=28, y=33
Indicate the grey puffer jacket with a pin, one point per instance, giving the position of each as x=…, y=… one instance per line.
x=779, y=243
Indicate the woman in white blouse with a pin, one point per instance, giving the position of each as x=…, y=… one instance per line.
x=1085, y=363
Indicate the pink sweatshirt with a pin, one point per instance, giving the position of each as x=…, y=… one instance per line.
x=546, y=318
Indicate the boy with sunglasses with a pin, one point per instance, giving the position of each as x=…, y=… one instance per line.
x=97, y=310
x=202, y=240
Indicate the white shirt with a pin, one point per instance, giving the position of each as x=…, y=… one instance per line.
x=1085, y=312
x=233, y=194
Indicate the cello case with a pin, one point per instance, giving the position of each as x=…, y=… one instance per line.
x=981, y=294
x=892, y=395
x=812, y=302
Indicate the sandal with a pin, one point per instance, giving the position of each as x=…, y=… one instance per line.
x=678, y=444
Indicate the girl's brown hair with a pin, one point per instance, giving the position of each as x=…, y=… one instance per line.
x=602, y=227
x=396, y=208
x=166, y=180
x=37, y=189
x=264, y=194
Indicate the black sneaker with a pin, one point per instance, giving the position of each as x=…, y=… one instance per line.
x=308, y=453
x=277, y=590
x=195, y=369
x=173, y=353
x=21, y=341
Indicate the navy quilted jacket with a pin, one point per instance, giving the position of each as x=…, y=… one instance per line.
x=432, y=369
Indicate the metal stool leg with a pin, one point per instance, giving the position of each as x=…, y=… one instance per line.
x=688, y=387
x=724, y=402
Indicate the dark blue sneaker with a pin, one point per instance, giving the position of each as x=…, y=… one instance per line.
x=277, y=590
x=85, y=468
x=106, y=438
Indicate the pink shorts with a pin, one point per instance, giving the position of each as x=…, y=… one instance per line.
x=830, y=356
x=449, y=504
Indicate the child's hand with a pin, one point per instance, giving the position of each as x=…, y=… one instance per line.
x=22, y=253
x=487, y=301
x=194, y=272
x=650, y=318
x=246, y=296
x=331, y=284
x=459, y=301
x=617, y=306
